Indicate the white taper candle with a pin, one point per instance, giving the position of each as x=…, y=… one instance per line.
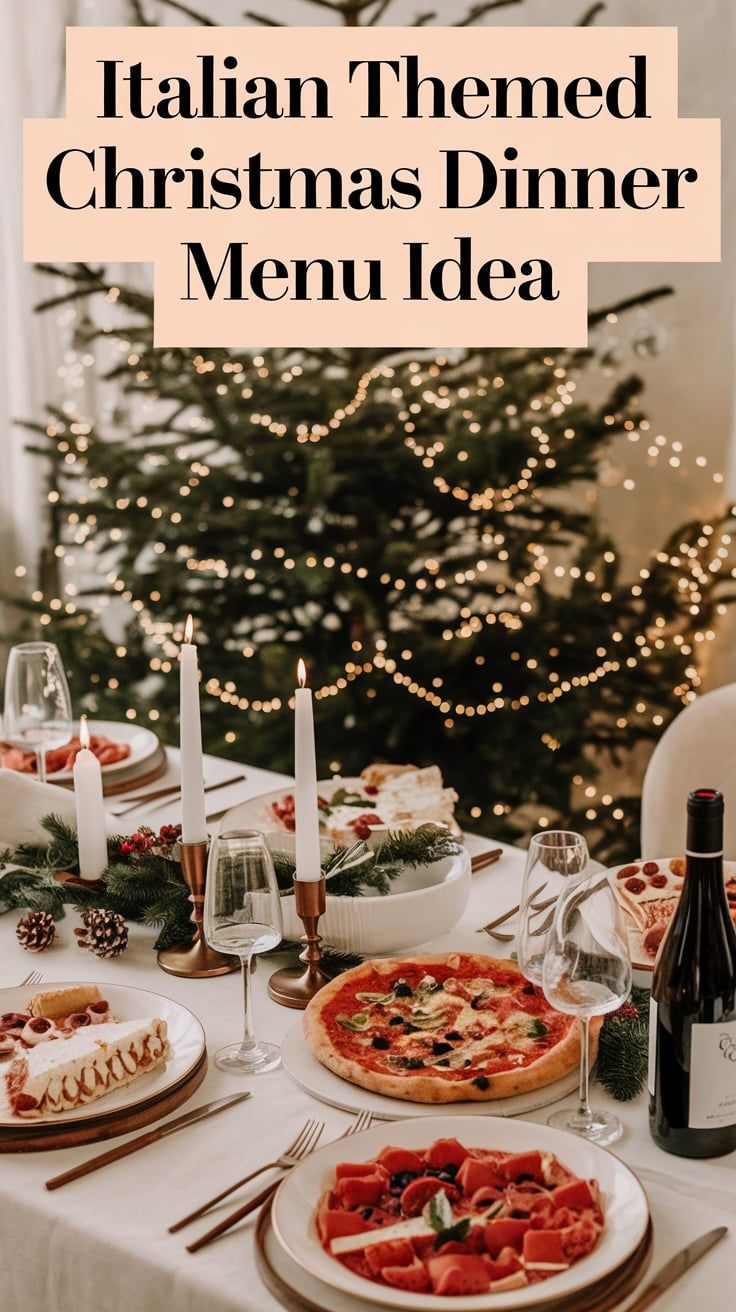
x=193, y=818
x=306, y=811
x=91, y=833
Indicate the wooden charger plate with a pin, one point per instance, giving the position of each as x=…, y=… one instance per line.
x=602, y=1296
x=48, y=1137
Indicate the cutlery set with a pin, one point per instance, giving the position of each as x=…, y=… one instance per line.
x=305, y=1143
x=172, y=794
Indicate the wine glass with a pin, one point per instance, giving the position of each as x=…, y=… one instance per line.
x=242, y=915
x=554, y=857
x=38, y=709
x=587, y=972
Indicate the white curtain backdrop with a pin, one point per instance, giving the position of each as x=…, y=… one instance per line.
x=689, y=390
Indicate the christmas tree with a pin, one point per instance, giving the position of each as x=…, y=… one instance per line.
x=421, y=529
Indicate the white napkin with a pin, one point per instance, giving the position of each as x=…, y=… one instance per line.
x=23, y=804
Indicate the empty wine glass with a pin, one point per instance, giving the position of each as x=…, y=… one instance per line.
x=587, y=972
x=38, y=709
x=242, y=915
x=554, y=857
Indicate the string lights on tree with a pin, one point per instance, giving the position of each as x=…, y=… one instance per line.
x=425, y=531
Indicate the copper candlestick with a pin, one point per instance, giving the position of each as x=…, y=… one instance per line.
x=293, y=987
x=195, y=959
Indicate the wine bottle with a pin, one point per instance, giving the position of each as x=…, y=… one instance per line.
x=692, y=1019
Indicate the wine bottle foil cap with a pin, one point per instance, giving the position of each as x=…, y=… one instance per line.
x=704, y=822
x=705, y=801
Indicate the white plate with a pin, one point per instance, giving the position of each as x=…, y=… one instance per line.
x=186, y=1045
x=640, y=959
x=300, y=1063
x=625, y=1206
x=258, y=812
x=143, y=745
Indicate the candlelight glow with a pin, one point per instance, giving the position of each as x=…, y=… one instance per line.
x=83, y=731
x=301, y=673
x=188, y=629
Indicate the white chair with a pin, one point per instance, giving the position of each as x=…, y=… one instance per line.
x=697, y=750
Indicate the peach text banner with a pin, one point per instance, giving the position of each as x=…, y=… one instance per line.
x=416, y=272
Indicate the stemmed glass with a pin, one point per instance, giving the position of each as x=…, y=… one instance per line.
x=38, y=709
x=554, y=857
x=587, y=972
x=242, y=916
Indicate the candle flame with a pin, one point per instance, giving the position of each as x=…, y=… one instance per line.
x=83, y=731
x=188, y=629
x=301, y=671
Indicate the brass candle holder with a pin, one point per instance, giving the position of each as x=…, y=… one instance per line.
x=292, y=987
x=196, y=960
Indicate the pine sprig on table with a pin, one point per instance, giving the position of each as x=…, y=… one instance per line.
x=623, y=1048
x=359, y=869
x=143, y=881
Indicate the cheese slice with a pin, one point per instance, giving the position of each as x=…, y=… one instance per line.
x=67, y=1073
x=414, y=1227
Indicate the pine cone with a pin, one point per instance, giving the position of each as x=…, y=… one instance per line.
x=105, y=933
x=35, y=932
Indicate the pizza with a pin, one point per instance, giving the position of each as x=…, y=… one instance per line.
x=435, y=1029
x=452, y=1221
x=648, y=892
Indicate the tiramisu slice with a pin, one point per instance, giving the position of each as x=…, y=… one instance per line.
x=62, y=1076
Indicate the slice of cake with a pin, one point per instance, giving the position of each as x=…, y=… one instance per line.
x=60, y=1077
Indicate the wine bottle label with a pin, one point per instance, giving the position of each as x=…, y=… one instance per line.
x=712, y=1076
x=652, y=1045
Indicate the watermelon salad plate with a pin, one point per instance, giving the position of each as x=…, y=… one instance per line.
x=466, y=1214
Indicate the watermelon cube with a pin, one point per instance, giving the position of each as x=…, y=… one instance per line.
x=506, y=1232
x=543, y=1246
x=360, y=1190
x=413, y=1278
x=446, y=1152
x=459, y=1274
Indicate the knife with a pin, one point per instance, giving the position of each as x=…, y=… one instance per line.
x=143, y=1140
x=172, y=792
x=676, y=1267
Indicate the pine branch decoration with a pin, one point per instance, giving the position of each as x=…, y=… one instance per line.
x=623, y=1048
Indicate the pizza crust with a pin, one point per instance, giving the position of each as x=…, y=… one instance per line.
x=429, y=1087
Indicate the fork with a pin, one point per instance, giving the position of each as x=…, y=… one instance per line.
x=306, y=1140
x=363, y=1121
x=34, y=977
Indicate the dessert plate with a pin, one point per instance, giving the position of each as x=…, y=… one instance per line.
x=259, y=813
x=300, y=1063
x=186, y=1048
x=625, y=1205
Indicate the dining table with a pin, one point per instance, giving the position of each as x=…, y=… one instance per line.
x=101, y=1244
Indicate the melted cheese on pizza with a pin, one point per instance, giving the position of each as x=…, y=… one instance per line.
x=445, y=1023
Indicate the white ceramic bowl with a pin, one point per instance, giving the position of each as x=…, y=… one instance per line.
x=424, y=902
x=422, y=905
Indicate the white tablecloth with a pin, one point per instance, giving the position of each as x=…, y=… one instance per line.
x=101, y=1244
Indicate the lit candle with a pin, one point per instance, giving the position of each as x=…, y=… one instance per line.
x=91, y=833
x=193, y=819
x=306, y=812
